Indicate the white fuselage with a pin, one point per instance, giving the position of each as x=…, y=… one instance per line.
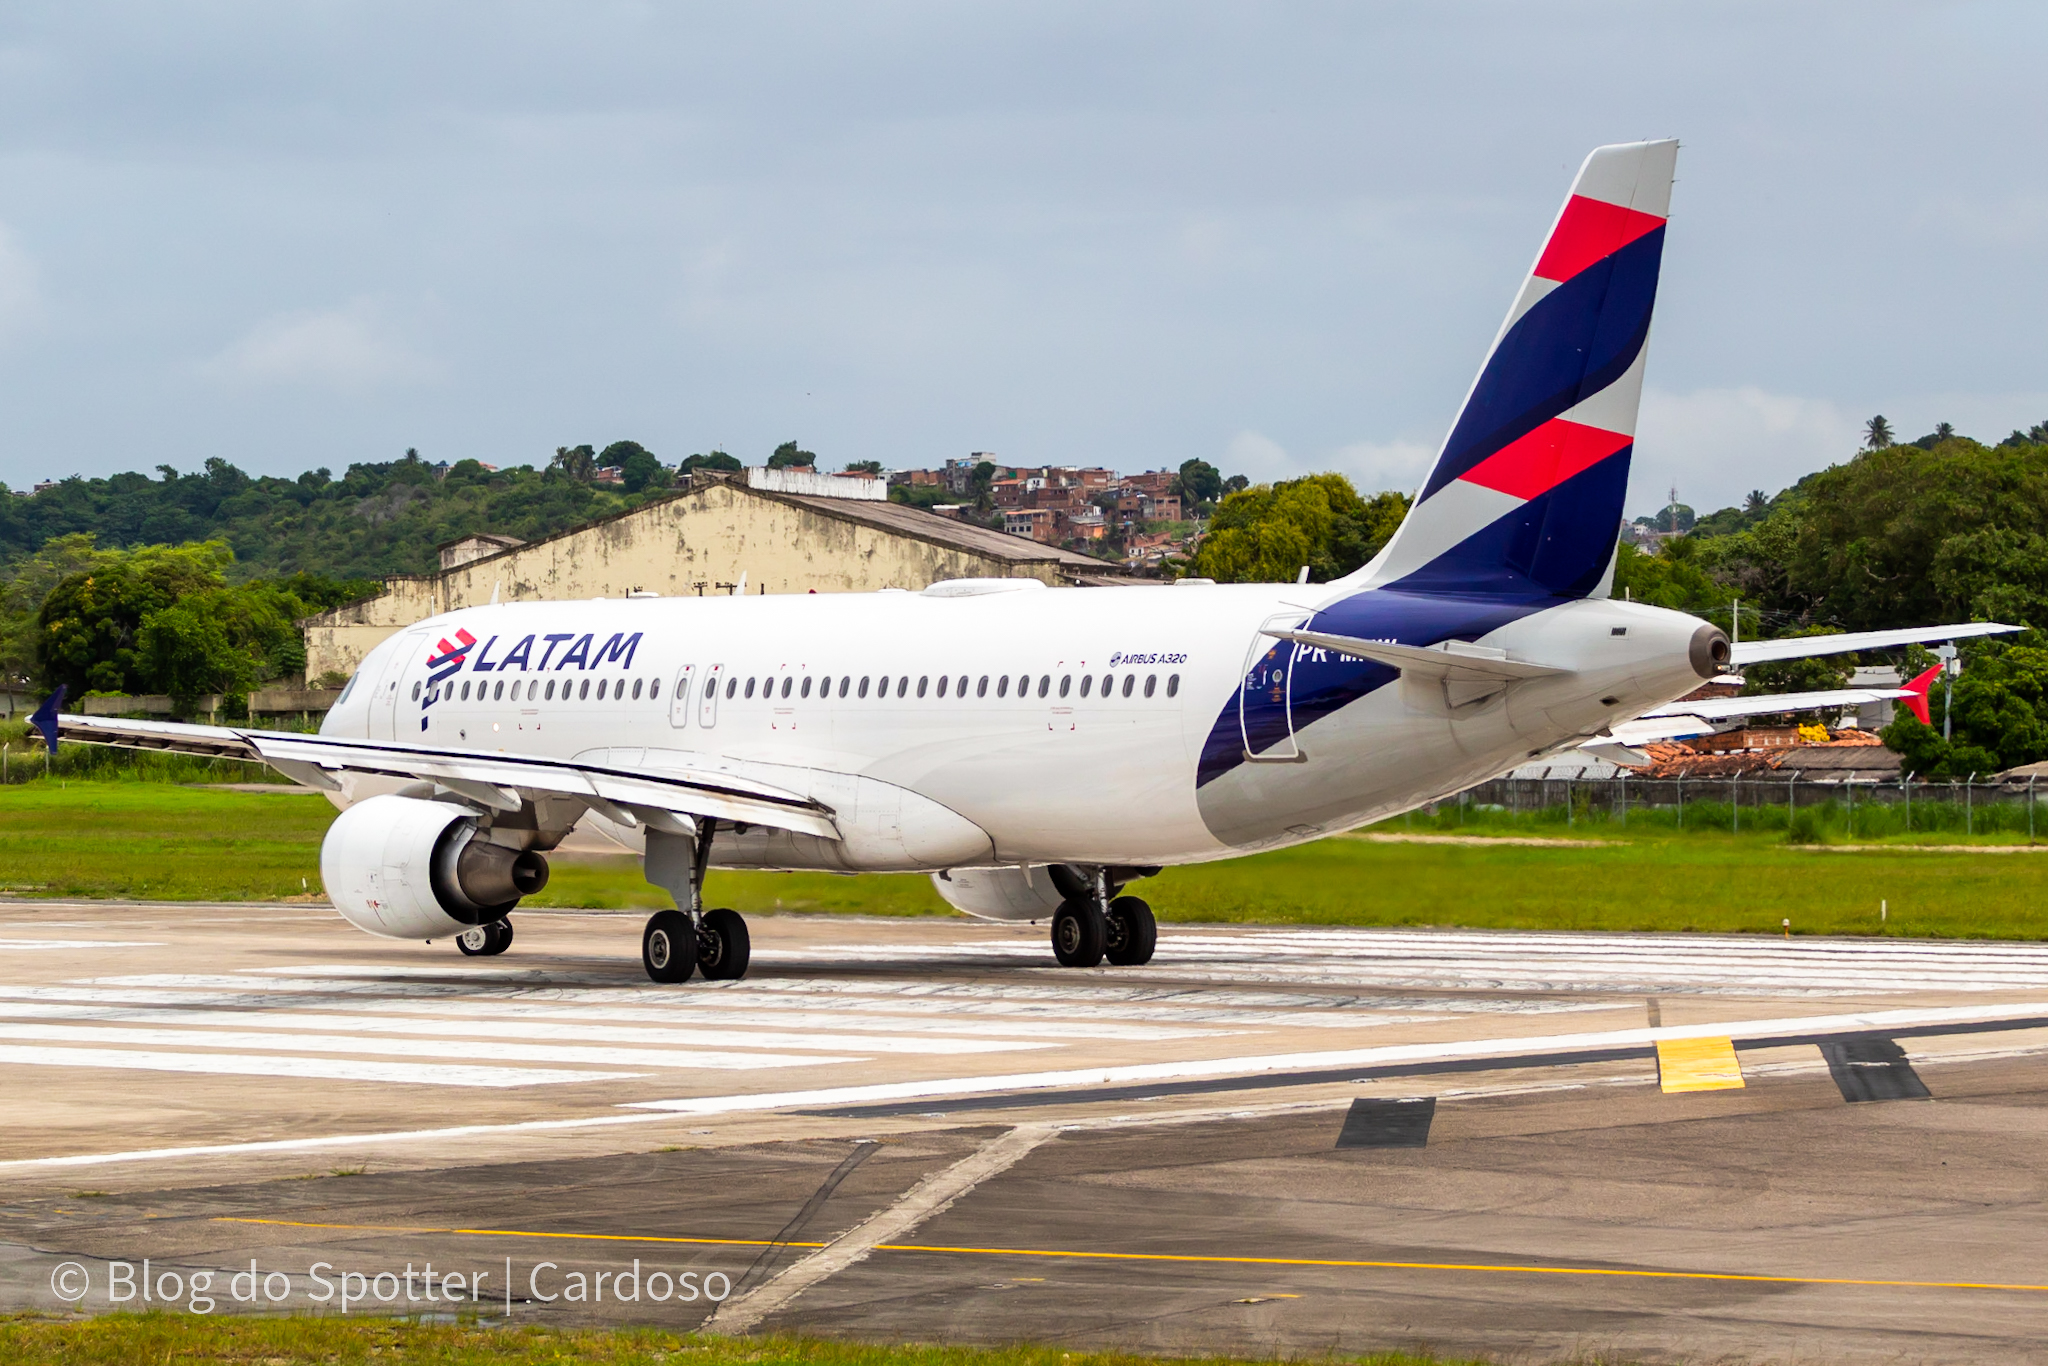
x=1006, y=727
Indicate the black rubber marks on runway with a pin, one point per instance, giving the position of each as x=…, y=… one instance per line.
x=1388, y=1123
x=1873, y=1069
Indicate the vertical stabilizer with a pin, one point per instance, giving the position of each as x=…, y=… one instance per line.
x=1525, y=499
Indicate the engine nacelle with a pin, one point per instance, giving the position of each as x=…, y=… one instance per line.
x=411, y=869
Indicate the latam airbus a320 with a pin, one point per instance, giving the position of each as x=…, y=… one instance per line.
x=1038, y=750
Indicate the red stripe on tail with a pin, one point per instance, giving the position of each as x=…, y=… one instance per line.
x=1545, y=458
x=1588, y=231
x=1917, y=703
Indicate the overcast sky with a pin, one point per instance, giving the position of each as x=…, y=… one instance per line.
x=1278, y=236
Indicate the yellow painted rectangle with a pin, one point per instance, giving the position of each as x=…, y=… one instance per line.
x=1698, y=1065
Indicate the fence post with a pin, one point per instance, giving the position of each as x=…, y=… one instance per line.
x=1624, y=799
x=1569, y=819
x=1735, y=803
x=1969, y=808
x=1906, y=788
x=2030, y=808
x=1849, y=785
x=1681, y=799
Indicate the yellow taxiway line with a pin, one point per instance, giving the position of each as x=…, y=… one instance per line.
x=1185, y=1258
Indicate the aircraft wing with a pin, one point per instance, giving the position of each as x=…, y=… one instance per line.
x=1805, y=647
x=1725, y=708
x=662, y=800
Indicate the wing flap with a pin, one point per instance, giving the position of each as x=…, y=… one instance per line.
x=497, y=780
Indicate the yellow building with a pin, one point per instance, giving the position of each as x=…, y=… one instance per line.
x=781, y=532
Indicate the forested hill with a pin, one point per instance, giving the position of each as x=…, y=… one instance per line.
x=373, y=520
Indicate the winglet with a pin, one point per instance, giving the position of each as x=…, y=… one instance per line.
x=1916, y=701
x=45, y=718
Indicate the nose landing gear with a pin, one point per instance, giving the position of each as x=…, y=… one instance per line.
x=690, y=939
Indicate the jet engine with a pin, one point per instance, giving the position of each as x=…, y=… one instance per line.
x=406, y=868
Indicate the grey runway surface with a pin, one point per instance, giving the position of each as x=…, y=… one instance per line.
x=1270, y=1142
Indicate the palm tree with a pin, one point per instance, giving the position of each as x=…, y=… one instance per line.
x=1877, y=434
x=1758, y=501
x=1944, y=431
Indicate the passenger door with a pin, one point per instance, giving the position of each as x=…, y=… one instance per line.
x=679, y=700
x=1265, y=698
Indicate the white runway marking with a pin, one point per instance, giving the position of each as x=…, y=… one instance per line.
x=78, y=944
x=442, y=1026
x=1501, y=961
x=419, y=1048
x=320, y=1069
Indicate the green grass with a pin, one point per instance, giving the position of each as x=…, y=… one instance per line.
x=157, y=841
x=122, y=1339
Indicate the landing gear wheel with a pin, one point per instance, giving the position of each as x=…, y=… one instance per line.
x=485, y=941
x=1077, y=935
x=665, y=947
x=1133, y=933
x=723, y=946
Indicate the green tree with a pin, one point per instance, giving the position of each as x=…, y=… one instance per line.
x=789, y=454
x=1877, y=434
x=577, y=462
x=713, y=460
x=1199, y=484
x=90, y=623
x=1266, y=533
x=643, y=471
x=873, y=467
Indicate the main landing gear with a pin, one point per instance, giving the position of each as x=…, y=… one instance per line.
x=486, y=941
x=1092, y=925
x=677, y=943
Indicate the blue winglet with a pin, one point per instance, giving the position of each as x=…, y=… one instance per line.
x=45, y=718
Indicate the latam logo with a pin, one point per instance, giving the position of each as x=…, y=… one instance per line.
x=583, y=654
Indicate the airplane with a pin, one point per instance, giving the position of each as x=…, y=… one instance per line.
x=1034, y=750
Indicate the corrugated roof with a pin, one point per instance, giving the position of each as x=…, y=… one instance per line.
x=905, y=520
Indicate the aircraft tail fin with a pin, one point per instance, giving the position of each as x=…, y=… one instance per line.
x=1525, y=499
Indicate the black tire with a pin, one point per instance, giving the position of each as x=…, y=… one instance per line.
x=665, y=947
x=1077, y=935
x=485, y=941
x=1133, y=933
x=724, y=946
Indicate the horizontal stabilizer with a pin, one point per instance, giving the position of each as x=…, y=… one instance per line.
x=1453, y=660
x=1806, y=647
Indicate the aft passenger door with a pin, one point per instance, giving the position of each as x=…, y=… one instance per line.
x=1265, y=697
x=679, y=699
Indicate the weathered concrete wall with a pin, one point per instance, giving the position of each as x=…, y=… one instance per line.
x=684, y=545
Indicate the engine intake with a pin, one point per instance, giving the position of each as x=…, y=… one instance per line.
x=406, y=868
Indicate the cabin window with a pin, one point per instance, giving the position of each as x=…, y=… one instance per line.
x=806, y=690
x=583, y=693
x=921, y=684
x=731, y=686
x=863, y=685
x=844, y=684
x=499, y=692
x=962, y=689
x=551, y=690
x=1066, y=683
x=903, y=685
x=1173, y=685
x=415, y=692
x=1130, y=681
x=943, y=681
x=750, y=687
x=636, y=688
x=1151, y=683
x=1003, y=686
x=600, y=689
x=981, y=688
x=1044, y=684
x=1087, y=684
x=465, y=690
